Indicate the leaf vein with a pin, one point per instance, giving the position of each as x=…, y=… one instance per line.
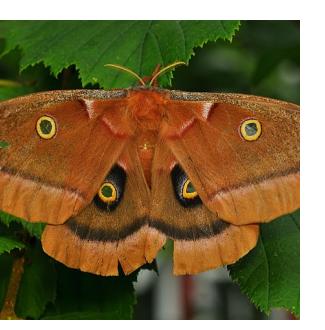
x=117, y=37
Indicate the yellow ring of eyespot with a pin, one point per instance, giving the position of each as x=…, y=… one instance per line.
x=251, y=137
x=188, y=195
x=49, y=135
x=104, y=198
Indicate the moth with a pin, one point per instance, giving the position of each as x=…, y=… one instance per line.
x=115, y=173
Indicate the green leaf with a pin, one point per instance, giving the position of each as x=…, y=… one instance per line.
x=11, y=92
x=34, y=229
x=86, y=296
x=138, y=45
x=6, y=262
x=269, y=274
x=4, y=144
x=7, y=244
x=38, y=284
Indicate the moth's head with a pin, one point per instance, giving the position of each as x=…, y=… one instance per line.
x=147, y=81
x=146, y=105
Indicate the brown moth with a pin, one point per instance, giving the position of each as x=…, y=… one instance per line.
x=115, y=173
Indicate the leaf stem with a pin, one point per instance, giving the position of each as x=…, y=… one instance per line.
x=9, y=83
x=8, y=311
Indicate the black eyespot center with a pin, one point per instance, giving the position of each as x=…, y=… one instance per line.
x=251, y=129
x=107, y=191
x=46, y=126
x=190, y=188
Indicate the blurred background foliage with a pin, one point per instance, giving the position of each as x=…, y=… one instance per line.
x=263, y=59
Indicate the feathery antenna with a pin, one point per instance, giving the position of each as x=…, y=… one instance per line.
x=123, y=68
x=155, y=76
x=168, y=67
